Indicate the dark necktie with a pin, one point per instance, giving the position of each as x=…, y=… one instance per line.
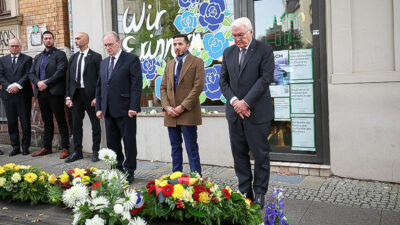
x=111, y=68
x=78, y=79
x=242, y=54
x=178, y=72
x=14, y=60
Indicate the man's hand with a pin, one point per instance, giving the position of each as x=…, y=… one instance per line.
x=68, y=103
x=240, y=106
x=132, y=113
x=41, y=85
x=13, y=89
x=171, y=111
x=179, y=110
x=93, y=103
x=99, y=114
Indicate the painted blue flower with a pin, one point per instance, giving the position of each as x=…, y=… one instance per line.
x=149, y=68
x=215, y=44
x=211, y=82
x=186, y=22
x=212, y=14
x=186, y=3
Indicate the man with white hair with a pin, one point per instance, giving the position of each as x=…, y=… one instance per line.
x=247, y=70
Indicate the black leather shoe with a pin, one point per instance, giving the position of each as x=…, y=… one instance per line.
x=259, y=199
x=14, y=152
x=25, y=152
x=95, y=156
x=1, y=152
x=130, y=178
x=75, y=156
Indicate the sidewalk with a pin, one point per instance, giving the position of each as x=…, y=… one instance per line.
x=309, y=200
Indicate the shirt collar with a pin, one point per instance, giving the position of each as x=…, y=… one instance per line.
x=247, y=47
x=49, y=52
x=85, y=53
x=183, y=57
x=17, y=55
x=117, y=55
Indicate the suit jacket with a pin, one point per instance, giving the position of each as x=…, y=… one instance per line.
x=251, y=83
x=123, y=91
x=18, y=75
x=90, y=74
x=56, y=69
x=190, y=85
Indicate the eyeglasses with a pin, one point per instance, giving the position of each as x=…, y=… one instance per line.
x=240, y=36
x=109, y=45
x=14, y=46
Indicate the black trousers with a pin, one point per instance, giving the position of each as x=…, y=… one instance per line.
x=18, y=106
x=245, y=137
x=81, y=103
x=49, y=105
x=122, y=128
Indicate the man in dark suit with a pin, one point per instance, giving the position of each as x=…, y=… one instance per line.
x=83, y=71
x=247, y=70
x=181, y=87
x=48, y=75
x=17, y=95
x=118, y=93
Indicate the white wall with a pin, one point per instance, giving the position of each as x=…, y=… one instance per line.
x=363, y=50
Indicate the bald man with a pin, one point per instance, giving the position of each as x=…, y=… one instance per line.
x=17, y=95
x=82, y=74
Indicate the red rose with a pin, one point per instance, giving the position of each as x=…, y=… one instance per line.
x=151, y=189
x=150, y=183
x=226, y=192
x=96, y=185
x=71, y=171
x=168, y=190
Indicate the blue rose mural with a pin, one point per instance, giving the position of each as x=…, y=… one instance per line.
x=211, y=82
x=215, y=44
x=186, y=22
x=186, y=3
x=149, y=68
x=212, y=14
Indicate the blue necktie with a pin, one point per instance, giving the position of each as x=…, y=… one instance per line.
x=111, y=68
x=178, y=73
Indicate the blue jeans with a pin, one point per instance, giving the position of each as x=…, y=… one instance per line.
x=192, y=148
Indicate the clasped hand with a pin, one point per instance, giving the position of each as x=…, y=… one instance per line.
x=174, y=112
x=42, y=85
x=241, y=108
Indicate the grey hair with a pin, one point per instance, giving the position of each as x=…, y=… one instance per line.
x=116, y=36
x=242, y=21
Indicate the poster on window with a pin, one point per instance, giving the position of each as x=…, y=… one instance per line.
x=281, y=109
x=300, y=62
x=302, y=98
x=281, y=72
x=303, y=134
x=279, y=90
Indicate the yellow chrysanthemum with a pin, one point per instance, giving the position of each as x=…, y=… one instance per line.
x=164, y=177
x=16, y=168
x=2, y=181
x=30, y=177
x=161, y=183
x=247, y=201
x=52, y=179
x=204, y=198
x=9, y=166
x=64, y=177
x=187, y=195
x=93, y=169
x=85, y=179
x=229, y=189
x=178, y=191
x=16, y=177
x=192, y=181
x=41, y=178
x=210, y=184
x=79, y=172
x=44, y=173
x=175, y=175
x=2, y=170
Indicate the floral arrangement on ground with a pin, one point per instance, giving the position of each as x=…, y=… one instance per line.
x=180, y=196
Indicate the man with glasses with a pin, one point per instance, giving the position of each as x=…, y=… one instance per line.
x=247, y=70
x=17, y=95
x=48, y=75
x=118, y=93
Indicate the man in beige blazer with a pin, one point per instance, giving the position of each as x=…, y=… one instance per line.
x=181, y=86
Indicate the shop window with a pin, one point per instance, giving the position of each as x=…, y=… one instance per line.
x=4, y=11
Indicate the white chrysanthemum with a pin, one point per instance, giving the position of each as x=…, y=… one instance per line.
x=131, y=199
x=120, y=201
x=187, y=195
x=75, y=195
x=126, y=215
x=23, y=167
x=98, y=172
x=106, y=154
x=77, y=217
x=118, y=208
x=137, y=221
x=99, y=203
x=76, y=180
x=96, y=220
x=214, y=188
x=16, y=177
x=93, y=193
x=2, y=181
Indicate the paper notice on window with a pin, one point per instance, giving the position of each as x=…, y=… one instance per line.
x=279, y=90
x=302, y=98
x=303, y=134
x=281, y=109
x=300, y=62
x=281, y=72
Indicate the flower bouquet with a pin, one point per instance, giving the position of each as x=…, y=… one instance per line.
x=23, y=183
x=274, y=214
x=179, y=196
x=109, y=200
